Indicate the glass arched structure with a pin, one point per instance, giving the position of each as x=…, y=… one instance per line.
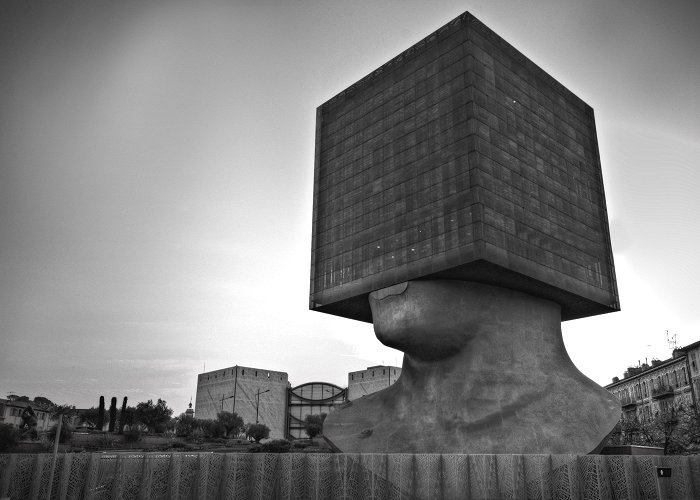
x=312, y=398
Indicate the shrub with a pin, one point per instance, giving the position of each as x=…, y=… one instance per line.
x=132, y=435
x=197, y=435
x=9, y=437
x=257, y=432
x=66, y=433
x=212, y=428
x=276, y=446
x=313, y=424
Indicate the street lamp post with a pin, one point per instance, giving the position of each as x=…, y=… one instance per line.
x=257, y=403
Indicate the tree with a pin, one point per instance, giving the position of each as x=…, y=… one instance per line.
x=122, y=417
x=185, y=425
x=43, y=401
x=211, y=428
x=233, y=424
x=112, y=414
x=313, y=424
x=15, y=397
x=90, y=416
x=153, y=416
x=101, y=414
x=675, y=428
x=63, y=412
x=257, y=432
x=9, y=437
x=66, y=432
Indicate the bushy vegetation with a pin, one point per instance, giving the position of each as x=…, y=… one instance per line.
x=66, y=433
x=276, y=446
x=313, y=424
x=154, y=416
x=9, y=437
x=132, y=435
x=256, y=432
x=676, y=430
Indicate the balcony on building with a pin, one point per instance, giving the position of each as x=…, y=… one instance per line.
x=661, y=392
x=628, y=403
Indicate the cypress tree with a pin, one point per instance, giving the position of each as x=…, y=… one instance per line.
x=112, y=414
x=122, y=418
x=101, y=413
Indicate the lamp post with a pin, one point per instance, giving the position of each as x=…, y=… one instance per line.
x=257, y=403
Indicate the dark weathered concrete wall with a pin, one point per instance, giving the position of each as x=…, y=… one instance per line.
x=459, y=158
x=303, y=475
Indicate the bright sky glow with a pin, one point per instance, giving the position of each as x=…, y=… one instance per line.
x=156, y=167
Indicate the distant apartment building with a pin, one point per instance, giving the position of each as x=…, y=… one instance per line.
x=11, y=413
x=256, y=394
x=373, y=379
x=646, y=390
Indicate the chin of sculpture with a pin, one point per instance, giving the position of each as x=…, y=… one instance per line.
x=485, y=370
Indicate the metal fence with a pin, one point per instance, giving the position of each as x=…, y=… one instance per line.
x=346, y=476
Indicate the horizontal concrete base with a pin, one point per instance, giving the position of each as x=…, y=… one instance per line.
x=360, y=476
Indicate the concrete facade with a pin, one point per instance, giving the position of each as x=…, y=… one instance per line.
x=11, y=413
x=459, y=159
x=374, y=378
x=236, y=389
x=647, y=390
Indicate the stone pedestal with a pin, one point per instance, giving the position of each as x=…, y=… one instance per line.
x=485, y=370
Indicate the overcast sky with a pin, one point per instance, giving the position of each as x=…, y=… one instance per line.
x=156, y=170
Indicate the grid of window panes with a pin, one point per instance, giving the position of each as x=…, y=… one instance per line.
x=311, y=399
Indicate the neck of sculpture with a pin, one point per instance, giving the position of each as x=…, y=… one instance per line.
x=520, y=347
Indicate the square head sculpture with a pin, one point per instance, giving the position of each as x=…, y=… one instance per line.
x=459, y=159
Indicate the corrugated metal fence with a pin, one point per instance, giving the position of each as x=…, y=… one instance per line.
x=347, y=476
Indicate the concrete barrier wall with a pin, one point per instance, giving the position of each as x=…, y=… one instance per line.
x=348, y=476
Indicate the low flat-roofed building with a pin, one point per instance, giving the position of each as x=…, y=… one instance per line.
x=255, y=394
x=373, y=379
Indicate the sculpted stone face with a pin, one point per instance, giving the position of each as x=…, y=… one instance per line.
x=485, y=370
x=426, y=320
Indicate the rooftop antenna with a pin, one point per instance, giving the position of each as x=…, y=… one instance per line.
x=672, y=341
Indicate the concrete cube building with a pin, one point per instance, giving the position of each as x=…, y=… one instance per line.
x=375, y=378
x=250, y=392
x=459, y=159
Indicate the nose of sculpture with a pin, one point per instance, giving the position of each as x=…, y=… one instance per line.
x=424, y=319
